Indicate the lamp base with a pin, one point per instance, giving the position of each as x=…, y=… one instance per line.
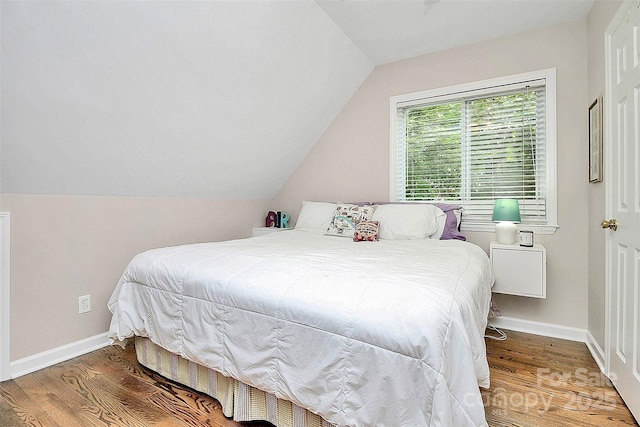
x=506, y=232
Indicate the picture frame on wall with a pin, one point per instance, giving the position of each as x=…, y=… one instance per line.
x=595, y=141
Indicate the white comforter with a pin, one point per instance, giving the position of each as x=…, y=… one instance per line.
x=385, y=333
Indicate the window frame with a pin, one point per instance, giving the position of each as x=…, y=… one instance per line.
x=488, y=86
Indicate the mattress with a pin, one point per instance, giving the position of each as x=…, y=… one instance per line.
x=384, y=333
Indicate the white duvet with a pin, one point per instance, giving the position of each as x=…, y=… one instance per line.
x=386, y=333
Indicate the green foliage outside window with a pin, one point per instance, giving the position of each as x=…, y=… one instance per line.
x=478, y=149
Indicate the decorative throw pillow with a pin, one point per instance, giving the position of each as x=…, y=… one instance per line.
x=451, y=229
x=345, y=217
x=366, y=231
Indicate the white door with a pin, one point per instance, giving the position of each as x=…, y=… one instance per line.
x=622, y=121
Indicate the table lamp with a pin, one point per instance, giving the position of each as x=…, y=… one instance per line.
x=506, y=213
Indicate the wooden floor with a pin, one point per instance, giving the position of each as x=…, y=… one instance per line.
x=540, y=381
x=535, y=381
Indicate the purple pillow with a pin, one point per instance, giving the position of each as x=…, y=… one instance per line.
x=451, y=226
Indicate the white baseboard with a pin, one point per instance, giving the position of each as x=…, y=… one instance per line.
x=56, y=355
x=596, y=352
x=540, y=328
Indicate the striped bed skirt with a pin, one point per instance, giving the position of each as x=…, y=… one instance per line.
x=239, y=401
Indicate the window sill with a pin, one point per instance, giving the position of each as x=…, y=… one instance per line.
x=491, y=227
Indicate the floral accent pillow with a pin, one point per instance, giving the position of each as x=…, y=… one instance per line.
x=366, y=231
x=345, y=217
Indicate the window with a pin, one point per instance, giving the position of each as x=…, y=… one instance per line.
x=474, y=143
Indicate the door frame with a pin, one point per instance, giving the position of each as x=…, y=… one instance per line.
x=5, y=296
x=607, y=176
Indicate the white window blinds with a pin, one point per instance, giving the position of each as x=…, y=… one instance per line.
x=473, y=147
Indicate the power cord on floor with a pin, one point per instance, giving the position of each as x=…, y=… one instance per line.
x=501, y=334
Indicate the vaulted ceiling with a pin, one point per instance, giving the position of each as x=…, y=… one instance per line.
x=218, y=99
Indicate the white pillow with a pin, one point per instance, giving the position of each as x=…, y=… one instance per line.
x=441, y=221
x=315, y=216
x=407, y=222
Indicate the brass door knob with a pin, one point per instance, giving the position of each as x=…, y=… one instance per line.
x=612, y=224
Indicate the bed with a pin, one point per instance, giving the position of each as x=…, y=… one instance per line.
x=302, y=328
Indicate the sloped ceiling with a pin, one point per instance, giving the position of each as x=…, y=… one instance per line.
x=219, y=99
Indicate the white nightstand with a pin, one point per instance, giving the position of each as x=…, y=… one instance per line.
x=261, y=231
x=519, y=270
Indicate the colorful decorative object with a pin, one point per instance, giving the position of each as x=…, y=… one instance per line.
x=366, y=231
x=272, y=219
x=345, y=217
x=284, y=220
x=277, y=219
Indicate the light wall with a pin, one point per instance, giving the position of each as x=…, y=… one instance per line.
x=350, y=161
x=601, y=14
x=63, y=247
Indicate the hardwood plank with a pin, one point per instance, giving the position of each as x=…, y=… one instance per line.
x=49, y=400
x=22, y=406
x=535, y=381
x=7, y=415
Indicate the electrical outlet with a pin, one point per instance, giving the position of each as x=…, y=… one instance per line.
x=84, y=304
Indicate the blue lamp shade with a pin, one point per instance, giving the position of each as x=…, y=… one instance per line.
x=506, y=210
x=505, y=213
